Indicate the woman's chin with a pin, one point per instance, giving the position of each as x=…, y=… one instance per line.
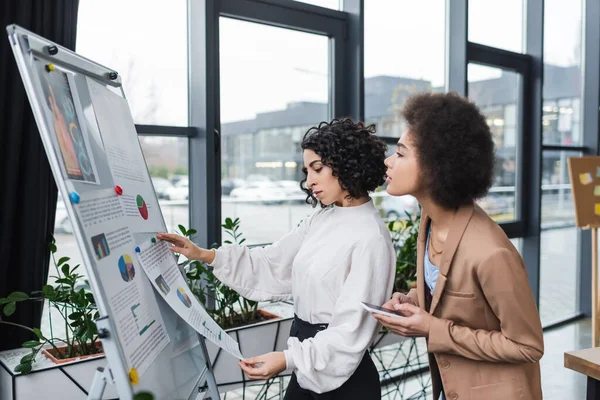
x=392, y=191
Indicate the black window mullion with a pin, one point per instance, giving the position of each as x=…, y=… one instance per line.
x=493, y=57
x=581, y=149
x=286, y=15
x=165, y=130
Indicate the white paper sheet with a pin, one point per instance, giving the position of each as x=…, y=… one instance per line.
x=129, y=294
x=126, y=161
x=159, y=264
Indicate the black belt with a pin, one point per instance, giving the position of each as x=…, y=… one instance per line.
x=304, y=330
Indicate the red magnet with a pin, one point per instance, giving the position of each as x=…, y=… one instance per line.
x=118, y=190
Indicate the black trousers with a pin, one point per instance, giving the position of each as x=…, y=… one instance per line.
x=363, y=384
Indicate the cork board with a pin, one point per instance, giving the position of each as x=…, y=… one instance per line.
x=584, y=173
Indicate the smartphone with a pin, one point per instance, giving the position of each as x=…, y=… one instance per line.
x=381, y=310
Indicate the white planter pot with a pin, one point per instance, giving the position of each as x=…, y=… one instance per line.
x=69, y=381
x=254, y=340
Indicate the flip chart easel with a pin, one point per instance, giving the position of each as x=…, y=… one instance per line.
x=69, y=123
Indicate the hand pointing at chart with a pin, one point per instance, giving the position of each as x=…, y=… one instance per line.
x=186, y=247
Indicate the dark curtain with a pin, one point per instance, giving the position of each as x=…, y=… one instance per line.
x=28, y=192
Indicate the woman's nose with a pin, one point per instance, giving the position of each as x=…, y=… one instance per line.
x=388, y=162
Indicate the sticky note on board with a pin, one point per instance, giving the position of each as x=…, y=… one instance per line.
x=586, y=178
x=597, y=208
x=597, y=190
x=597, y=172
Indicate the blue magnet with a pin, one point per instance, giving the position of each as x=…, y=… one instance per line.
x=74, y=196
x=137, y=249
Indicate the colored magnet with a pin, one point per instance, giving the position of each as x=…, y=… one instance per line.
x=137, y=249
x=49, y=67
x=586, y=178
x=133, y=376
x=74, y=196
x=153, y=240
x=119, y=190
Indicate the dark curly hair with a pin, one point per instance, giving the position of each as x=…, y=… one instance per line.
x=454, y=146
x=354, y=153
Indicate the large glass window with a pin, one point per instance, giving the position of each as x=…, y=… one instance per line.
x=404, y=54
x=562, y=72
x=127, y=36
x=497, y=23
x=496, y=92
x=274, y=86
x=558, y=247
x=396, y=68
x=561, y=126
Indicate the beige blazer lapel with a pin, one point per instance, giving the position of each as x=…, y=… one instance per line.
x=457, y=229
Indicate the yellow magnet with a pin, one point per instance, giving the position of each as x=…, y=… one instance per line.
x=133, y=376
x=49, y=67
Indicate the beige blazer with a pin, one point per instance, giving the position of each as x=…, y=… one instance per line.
x=486, y=341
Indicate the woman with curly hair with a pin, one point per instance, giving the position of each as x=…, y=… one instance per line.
x=472, y=302
x=336, y=258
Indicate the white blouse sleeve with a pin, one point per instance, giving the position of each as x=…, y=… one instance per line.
x=261, y=273
x=325, y=362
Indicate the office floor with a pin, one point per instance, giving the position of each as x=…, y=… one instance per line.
x=558, y=382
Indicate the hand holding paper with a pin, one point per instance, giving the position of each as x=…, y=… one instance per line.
x=265, y=366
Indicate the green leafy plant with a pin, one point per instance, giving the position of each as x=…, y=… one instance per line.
x=404, y=237
x=75, y=304
x=224, y=304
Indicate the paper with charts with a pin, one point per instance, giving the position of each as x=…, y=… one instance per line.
x=159, y=264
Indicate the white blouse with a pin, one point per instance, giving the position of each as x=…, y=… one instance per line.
x=333, y=260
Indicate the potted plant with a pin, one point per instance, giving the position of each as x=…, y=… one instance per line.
x=63, y=372
x=404, y=238
x=257, y=330
x=395, y=354
x=77, y=307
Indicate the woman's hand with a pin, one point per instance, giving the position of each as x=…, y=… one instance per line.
x=397, y=298
x=271, y=364
x=183, y=245
x=416, y=324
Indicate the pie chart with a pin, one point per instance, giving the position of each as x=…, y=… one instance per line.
x=142, y=208
x=126, y=267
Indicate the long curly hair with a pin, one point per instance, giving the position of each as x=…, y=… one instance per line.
x=353, y=152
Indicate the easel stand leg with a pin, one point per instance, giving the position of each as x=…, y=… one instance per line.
x=207, y=378
x=101, y=378
x=595, y=333
x=210, y=377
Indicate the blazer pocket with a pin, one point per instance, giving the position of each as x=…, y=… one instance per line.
x=464, y=295
x=497, y=391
